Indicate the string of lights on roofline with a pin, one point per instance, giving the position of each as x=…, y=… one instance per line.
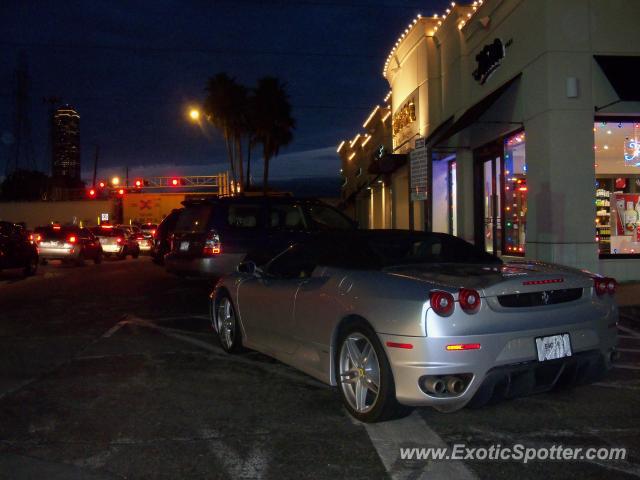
x=366, y=137
x=439, y=18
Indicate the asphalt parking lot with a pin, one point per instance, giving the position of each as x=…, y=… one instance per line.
x=111, y=371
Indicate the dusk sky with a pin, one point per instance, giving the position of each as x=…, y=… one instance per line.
x=131, y=69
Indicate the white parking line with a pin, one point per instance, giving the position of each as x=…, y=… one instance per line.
x=626, y=366
x=630, y=331
x=388, y=437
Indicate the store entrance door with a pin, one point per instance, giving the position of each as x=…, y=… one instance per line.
x=489, y=198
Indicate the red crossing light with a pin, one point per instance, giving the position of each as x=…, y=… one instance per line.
x=121, y=192
x=92, y=193
x=102, y=184
x=138, y=183
x=175, y=182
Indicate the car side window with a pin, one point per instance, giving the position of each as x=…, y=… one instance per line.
x=244, y=216
x=287, y=217
x=294, y=263
x=324, y=217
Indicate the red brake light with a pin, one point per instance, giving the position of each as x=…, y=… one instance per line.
x=605, y=285
x=119, y=240
x=71, y=239
x=464, y=346
x=56, y=227
x=153, y=232
x=441, y=302
x=469, y=300
x=212, y=244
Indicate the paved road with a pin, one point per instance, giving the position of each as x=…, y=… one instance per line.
x=111, y=371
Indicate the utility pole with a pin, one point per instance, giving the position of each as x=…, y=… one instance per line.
x=52, y=102
x=95, y=166
x=22, y=151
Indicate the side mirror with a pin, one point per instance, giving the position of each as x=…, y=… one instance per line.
x=249, y=268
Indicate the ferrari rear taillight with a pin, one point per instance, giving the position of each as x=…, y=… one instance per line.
x=469, y=300
x=441, y=302
x=212, y=244
x=604, y=285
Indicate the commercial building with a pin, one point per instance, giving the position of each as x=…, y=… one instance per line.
x=520, y=125
x=65, y=132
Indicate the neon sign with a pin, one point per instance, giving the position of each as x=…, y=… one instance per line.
x=632, y=152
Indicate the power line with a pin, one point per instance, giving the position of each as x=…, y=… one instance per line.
x=187, y=49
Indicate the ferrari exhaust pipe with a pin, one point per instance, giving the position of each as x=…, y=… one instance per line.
x=455, y=385
x=435, y=385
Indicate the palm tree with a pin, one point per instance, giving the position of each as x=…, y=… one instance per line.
x=272, y=122
x=225, y=107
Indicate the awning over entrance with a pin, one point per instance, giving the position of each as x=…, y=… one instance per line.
x=450, y=126
x=622, y=71
x=389, y=163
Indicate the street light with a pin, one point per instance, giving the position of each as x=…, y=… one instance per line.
x=194, y=114
x=115, y=181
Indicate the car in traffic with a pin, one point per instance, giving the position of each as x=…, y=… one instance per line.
x=212, y=236
x=144, y=236
x=162, y=236
x=17, y=250
x=399, y=319
x=116, y=241
x=142, y=239
x=71, y=244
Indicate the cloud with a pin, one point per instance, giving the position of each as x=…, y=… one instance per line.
x=320, y=162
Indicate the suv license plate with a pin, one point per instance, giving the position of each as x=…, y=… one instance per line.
x=553, y=347
x=184, y=246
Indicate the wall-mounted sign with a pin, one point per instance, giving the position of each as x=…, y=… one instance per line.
x=404, y=116
x=104, y=217
x=632, y=152
x=488, y=60
x=418, y=159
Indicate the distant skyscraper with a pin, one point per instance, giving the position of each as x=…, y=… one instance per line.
x=66, y=143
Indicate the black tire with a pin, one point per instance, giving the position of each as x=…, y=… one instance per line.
x=385, y=406
x=98, y=259
x=31, y=267
x=106, y=255
x=136, y=253
x=233, y=342
x=80, y=259
x=123, y=255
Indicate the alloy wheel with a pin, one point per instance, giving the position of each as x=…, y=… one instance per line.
x=226, y=323
x=359, y=371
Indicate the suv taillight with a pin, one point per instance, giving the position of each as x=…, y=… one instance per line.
x=469, y=300
x=441, y=302
x=605, y=285
x=212, y=244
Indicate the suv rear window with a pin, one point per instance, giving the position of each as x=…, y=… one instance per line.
x=194, y=219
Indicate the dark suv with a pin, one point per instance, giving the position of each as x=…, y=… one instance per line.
x=212, y=236
x=16, y=249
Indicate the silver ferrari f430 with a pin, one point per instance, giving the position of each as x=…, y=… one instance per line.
x=398, y=319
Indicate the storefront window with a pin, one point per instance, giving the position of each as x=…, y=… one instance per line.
x=515, y=192
x=617, y=194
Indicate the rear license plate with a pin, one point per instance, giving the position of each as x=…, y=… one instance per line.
x=184, y=246
x=553, y=347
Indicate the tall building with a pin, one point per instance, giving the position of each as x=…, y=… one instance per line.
x=65, y=163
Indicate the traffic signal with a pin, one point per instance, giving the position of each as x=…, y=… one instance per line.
x=175, y=182
x=138, y=183
x=121, y=192
x=102, y=184
x=92, y=193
